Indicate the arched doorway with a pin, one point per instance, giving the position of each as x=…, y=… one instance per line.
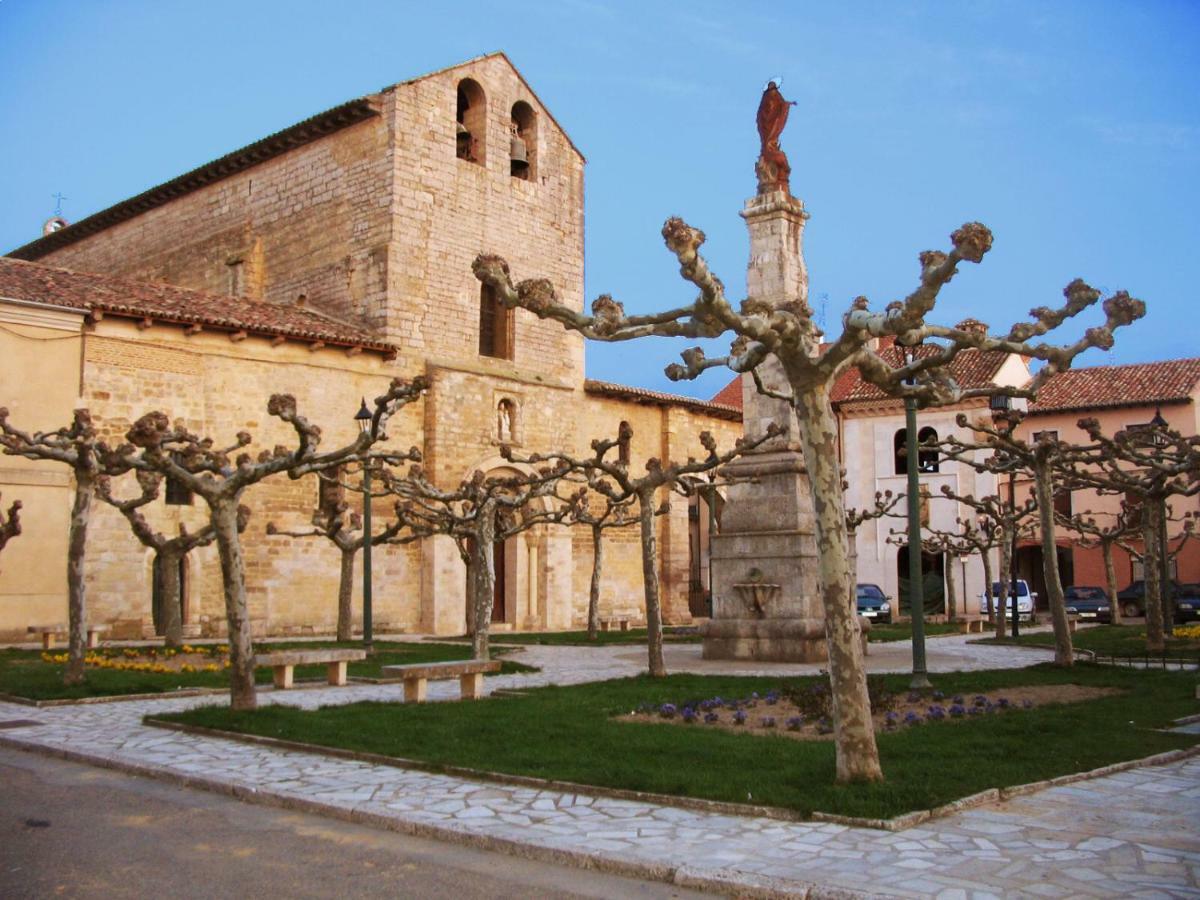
x=933, y=582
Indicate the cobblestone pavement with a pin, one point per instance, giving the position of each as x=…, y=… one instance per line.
x=1132, y=834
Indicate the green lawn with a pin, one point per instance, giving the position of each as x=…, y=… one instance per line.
x=903, y=631
x=580, y=638
x=24, y=674
x=1111, y=640
x=570, y=733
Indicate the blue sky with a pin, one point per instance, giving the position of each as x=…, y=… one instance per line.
x=1071, y=129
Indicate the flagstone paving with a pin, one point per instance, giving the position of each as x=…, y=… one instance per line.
x=1132, y=834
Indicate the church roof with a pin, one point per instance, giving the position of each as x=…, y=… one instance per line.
x=657, y=398
x=971, y=369
x=1098, y=387
x=730, y=395
x=153, y=302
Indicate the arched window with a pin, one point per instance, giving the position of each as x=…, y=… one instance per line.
x=927, y=456
x=495, y=325
x=470, y=138
x=523, y=142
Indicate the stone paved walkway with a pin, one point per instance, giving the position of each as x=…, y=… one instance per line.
x=1133, y=834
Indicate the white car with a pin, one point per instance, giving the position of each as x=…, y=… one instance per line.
x=1026, y=599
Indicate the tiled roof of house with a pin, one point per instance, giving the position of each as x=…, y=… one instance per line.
x=271, y=146
x=730, y=395
x=165, y=303
x=970, y=368
x=1097, y=387
x=656, y=398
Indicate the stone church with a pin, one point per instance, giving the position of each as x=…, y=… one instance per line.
x=322, y=261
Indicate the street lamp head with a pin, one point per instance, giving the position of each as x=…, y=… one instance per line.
x=1158, y=421
x=363, y=417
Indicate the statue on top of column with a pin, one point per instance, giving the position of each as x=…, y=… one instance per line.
x=772, y=167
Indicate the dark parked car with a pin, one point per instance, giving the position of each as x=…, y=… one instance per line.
x=1089, y=603
x=873, y=603
x=1133, y=599
x=1187, y=602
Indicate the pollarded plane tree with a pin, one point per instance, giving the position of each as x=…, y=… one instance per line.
x=788, y=334
x=611, y=479
x=343, y=527
x=884, y=503
x=221, y=479
x=10, y=525
x=610, y=514
x=169, y=553
x=1049, y=461
x=80, y=449
x=1092, y=533
x=1186, y=533
x=1151, y=466
x=477, y=514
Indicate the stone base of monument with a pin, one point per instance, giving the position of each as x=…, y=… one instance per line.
x=765, y=640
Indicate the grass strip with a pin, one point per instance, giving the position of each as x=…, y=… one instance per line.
x=571, y=734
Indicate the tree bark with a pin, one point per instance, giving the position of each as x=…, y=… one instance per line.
x=1152, y=599
x=658, y=667
x=242, y=695
x=1001, y=603
x=1110, y=577
x=854, y=733
x=81, y=513
x=172, y=596
x=1064, y=653
x=482, y=581
x=345, y=619
x=593, y=626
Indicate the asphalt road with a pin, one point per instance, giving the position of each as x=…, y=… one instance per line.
x=68, y=830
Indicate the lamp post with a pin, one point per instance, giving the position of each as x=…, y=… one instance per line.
x=363, y=419
x=1000, y=406
x=916, y=588
x=1158, y=427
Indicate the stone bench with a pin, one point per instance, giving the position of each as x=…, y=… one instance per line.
x=971, y=624
x=417, y=675
x=283, y=662
x=50, y=632
x=614, y=623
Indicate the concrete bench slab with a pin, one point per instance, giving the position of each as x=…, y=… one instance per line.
x=50, y=632
x=619, y=623
x=417, y=675
x=283, y=662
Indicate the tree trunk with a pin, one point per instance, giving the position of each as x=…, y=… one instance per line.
x=1000, y=607
x=1110, y=577
x=593, y=626
x=853, y=730
x=951, y=591
x=81, y=514
x=172, y=596
x=482, y=582
x=658, y=667
x=237, y=614
x=986, y=556
x=1152, y=599
x=1064, y=653
x=345, y=619
x=1165, y=589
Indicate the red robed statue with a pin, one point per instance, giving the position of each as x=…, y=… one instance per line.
x=772, y=167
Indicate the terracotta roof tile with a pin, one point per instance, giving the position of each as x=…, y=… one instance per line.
x=166, y=303
x=657, y=398
x=971, y=369
x=730, y=395
x=1140, y=384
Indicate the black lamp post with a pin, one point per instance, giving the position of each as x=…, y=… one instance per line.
x=1158, y=426
x=1001, y=404
x=363, y=419
x=916, y=587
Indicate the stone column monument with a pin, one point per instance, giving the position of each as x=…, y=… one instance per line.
x=766, y=602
